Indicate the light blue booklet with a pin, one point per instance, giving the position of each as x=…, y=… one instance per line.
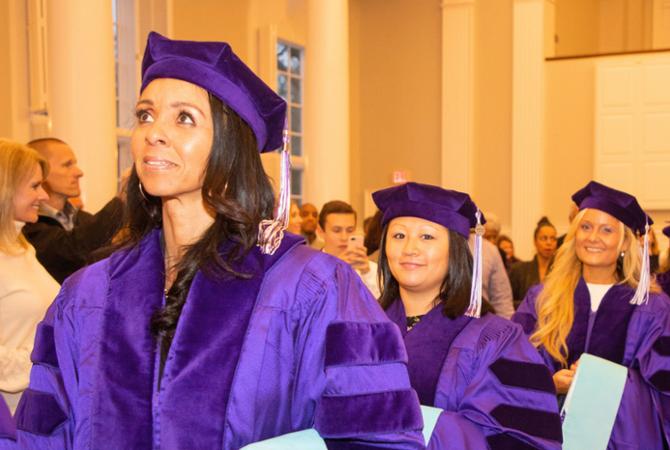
x=592, y=403
x=310, y=439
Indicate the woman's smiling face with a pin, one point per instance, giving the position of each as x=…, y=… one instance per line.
x=418, y=254
x=599, y=239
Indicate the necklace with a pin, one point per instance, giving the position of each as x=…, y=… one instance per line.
x=413, y=320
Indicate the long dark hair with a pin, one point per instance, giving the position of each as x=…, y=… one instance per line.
x=238, y=194
x=455, y=290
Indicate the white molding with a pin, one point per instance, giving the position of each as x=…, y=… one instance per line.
x=458, y=78
x=527, y=121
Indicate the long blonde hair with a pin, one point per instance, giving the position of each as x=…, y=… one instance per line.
x=555, y=303
x=17, y=163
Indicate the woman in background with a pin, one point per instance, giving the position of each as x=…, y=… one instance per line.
x=490, y=382
x=506, y=247
x=596, y=300
x=294, y=219
x=26, y=289
x=525, y=274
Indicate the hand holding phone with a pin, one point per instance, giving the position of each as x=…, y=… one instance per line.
x=355, y=241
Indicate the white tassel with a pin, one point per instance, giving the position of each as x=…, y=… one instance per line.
x=642, y=292
x=271, y=231
x=475, y=307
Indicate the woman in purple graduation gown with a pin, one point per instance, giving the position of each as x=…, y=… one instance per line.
x=490, y=382
x=597, y=300
x=203, y=332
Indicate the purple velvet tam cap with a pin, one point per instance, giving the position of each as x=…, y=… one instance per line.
x=616, y=203
x=214, y=67
x=451, y=209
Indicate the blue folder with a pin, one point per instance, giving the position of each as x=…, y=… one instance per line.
x=592, y=403
x=310, y=439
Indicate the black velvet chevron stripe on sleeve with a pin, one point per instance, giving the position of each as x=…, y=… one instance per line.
x=524, y=375
x=662, y=346
x=534, y=422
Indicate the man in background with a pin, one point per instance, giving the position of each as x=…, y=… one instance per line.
x=64, y=236
x=310, y=216
x=337, y=224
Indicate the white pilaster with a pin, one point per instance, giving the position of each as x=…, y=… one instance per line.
x=527, y=122
x=327, y=101
x=82, y=104
x=458, y=78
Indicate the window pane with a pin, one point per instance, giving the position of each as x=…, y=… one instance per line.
x=282, y=86
x=295, y=90
x=296, y=182
x=296, y=123
x=282, y=56
x=295, y=61
x=296, y=145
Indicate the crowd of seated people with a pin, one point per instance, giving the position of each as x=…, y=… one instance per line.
x=113, y=325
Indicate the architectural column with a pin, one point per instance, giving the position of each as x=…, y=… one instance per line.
x=327, y=101
x=82, y=102
x=527, y=122
x=14, y=87
x=458, y=81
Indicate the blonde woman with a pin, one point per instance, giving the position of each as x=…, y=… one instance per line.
x=26, y=289
x=594, y=302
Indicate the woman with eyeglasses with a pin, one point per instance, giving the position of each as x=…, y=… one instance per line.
x=525, y=274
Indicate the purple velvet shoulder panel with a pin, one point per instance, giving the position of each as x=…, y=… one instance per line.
x=39, y=413
x=352, y=343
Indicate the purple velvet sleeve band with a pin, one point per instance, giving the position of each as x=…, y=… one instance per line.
x=354, y=343
x=39, y=413
x=382, y=412
x=44, y=351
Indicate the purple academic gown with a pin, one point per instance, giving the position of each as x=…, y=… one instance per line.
x=637, y=337
x=299, y=344
x=495, y=391
x=7, y=427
